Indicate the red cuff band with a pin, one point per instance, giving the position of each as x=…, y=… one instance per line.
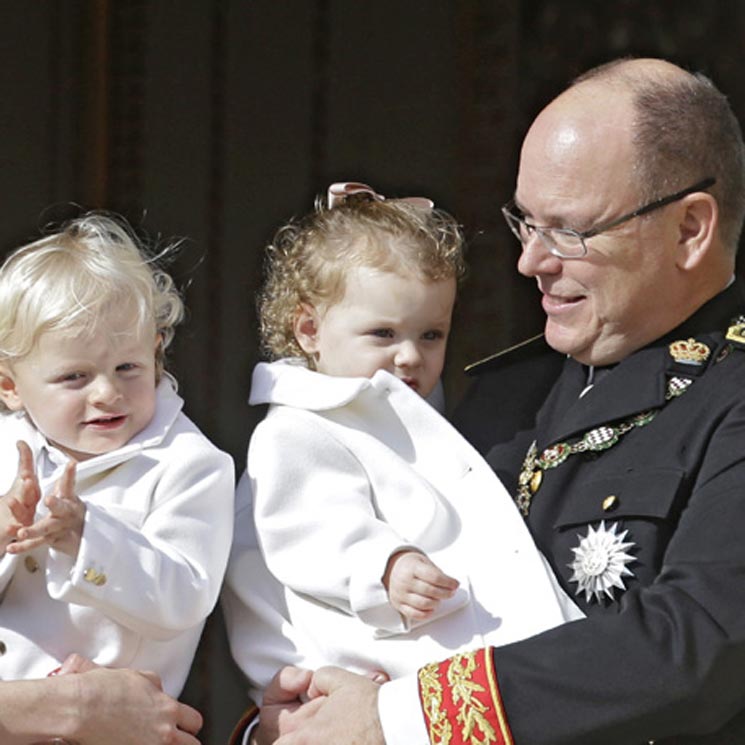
x=461, y=702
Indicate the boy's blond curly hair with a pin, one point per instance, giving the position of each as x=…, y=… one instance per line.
x=68, y=279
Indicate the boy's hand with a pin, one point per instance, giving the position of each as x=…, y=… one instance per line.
x=62, y=528
x=416, y=585
x=18, y=506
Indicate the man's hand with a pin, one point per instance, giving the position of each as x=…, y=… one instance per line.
x=125, y=707
x=76, y=663
x=283, y=697
x=343, y=709
x=416, y=585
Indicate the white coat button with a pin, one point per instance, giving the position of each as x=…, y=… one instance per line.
x=94, y=577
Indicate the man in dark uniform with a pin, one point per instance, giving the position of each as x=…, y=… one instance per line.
x=625, y=451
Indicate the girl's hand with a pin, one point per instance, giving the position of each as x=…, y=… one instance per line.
x=416, y=585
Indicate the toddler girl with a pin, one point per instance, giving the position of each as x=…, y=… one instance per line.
x=388, y=540
x=115, y=527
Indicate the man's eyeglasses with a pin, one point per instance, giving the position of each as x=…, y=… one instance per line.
x=570, y=244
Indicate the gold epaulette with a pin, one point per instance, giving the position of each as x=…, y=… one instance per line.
x=479, y=365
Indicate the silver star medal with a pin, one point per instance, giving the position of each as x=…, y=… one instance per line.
x=600, y=562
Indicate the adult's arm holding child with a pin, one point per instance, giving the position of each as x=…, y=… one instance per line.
x=116, y=707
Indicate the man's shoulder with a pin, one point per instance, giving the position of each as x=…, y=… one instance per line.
x=506, y=391
x=726, y=365
x=528, y=368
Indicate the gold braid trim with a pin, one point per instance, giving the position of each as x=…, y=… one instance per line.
x=461, y=701
x=491, y=675
x=472, y=711
x=440, y=729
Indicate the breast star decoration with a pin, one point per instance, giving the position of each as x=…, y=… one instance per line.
x=600, y=562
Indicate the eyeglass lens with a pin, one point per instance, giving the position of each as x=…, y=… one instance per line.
x=561, y=242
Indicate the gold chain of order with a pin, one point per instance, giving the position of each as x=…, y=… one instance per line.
x=595, y=440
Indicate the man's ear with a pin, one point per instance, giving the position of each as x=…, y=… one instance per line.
x=699, y=221
x=8, y=392
x=305, y=328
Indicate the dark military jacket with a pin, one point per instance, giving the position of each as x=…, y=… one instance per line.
x=664, y=658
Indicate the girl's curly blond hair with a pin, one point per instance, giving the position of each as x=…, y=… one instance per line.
x=307, y=261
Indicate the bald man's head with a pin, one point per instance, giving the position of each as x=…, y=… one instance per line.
x=682, y=131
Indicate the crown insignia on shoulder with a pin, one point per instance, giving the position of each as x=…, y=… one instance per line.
x=689, y=351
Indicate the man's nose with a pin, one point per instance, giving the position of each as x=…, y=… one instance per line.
x=536, y=258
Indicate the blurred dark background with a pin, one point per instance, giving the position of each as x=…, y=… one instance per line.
x=216, y=121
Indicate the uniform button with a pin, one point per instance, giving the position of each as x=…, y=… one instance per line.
x=724, y=353
x=31, y=564
x=610, y=503
x=3, y=648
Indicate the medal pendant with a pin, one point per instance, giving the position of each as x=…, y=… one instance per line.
x=535, y=481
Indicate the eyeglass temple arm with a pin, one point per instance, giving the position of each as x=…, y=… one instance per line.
x=657, y=204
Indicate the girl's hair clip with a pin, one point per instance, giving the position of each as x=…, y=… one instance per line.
x=338, y=192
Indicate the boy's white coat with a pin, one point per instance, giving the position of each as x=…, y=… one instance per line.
x=157, y=528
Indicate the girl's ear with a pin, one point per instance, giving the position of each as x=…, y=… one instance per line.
x=306, y=328
x=8, y=392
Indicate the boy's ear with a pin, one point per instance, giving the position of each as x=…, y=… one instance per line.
x=8, y=393
x=305, y=328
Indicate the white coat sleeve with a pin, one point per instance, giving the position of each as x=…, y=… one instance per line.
x=315, y=519
x=400, y=712
x=162, y=577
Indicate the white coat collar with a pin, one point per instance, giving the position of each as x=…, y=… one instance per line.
x=289, y=382
x=167, y=408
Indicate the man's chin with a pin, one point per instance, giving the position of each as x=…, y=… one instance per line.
x=567, y=341
x=562, y=339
